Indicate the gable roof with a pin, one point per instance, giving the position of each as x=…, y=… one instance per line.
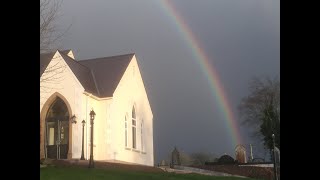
x=107, y=72
x=99, y=76
x=83, y=74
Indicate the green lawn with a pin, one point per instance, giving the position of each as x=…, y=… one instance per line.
x=79, y=173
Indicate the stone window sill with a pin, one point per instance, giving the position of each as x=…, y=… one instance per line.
x=135, y=150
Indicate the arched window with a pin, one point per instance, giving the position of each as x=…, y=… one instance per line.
x=134, y=140
x=126, y=131
x=142, y=138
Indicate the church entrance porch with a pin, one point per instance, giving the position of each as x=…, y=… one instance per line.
x=57, y=130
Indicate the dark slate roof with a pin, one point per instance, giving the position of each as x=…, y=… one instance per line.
x=108, y=71
x=65, y=51
x=99, y=76
x=44, y=61
x=83, y=74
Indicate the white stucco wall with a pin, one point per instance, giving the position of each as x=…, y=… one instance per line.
x=131, y=92
x=65, y=84
x=99, y=141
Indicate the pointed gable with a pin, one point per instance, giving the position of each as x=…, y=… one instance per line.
x=99, y=76
x=108, y=71
x=45, y=59
x=83, y=74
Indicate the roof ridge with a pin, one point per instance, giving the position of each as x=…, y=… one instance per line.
x=94, y=80
x=107, y=72
x=74, y=60
x=107, y=57
x=77, y=67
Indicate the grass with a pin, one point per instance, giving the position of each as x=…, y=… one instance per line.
x=80, y=173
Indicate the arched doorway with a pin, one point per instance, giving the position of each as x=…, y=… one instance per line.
x=57, y=130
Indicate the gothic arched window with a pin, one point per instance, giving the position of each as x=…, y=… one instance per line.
x=126, y=131
x=134, y=133
x=142, y=137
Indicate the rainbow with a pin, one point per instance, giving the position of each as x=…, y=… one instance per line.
x=206, y=67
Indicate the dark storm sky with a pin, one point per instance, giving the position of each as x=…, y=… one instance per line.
x=241, y=38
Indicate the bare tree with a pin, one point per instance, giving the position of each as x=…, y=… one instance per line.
x=49, y=31
x=261, y=109
x=50, y=34
x=51, y=76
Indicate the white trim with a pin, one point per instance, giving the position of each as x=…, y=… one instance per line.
x=95, y=97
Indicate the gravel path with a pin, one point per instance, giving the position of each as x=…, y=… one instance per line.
x=188, y=170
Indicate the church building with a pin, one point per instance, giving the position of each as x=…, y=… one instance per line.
x=112, y=88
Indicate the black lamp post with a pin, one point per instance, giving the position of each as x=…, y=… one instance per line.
x=274, y=159
x=82, y=153
x=91, y=163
